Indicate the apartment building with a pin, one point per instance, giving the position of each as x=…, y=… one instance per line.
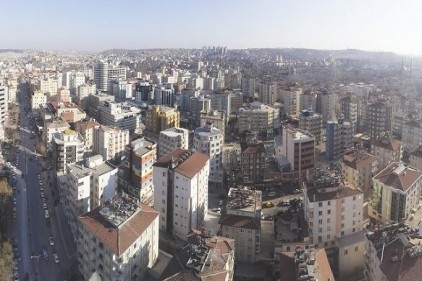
x=63, y=95
x=110, y=142
x=416, y=158
x=298, y=148
x=379, y=119
x=198, y=105
x=136, y=176
x=236, y=102
x=412, y=135
x=48, y=86
x=52, y=127
x=387, y=151
x=311, y=122
x=221, y=102
x=339, y=138
x=258, y=118
x=334, y=213
x=267, y=91
x=121, y=115
x=209, y=140
x=393, y=253
x=83, y=93
x=205, y=258
x=358, y=168
x=85, y=186
x=326, y=104
x=118, y=240
x=159, y=118
x=247, y=86
x=396, y=191
x=216, y=118
x=180, y=181
x=38, y=99
x=351, y=108
x=67, y=111
x=86, y=129
x=95, y=101
x=311, y=264
x=291, y=95
x=172, y=139
x=308, y=100
x=68, y=148
x=242, y=222
x=253, y=162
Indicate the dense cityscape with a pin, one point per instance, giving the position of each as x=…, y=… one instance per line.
x=210, y=164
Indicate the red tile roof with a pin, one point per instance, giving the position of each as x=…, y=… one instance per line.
x=402, y=181
x=118, y=239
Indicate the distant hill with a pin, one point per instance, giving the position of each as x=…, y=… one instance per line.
x=11, y=51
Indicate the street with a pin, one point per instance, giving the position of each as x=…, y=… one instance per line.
x=32, y=229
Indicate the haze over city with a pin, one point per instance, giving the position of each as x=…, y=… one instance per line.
x=98, y=25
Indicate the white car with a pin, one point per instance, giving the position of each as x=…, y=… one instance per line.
x=42, y=195
x=51, y=240
x=56, y=258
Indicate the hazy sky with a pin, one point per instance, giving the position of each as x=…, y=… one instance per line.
x=92, y=25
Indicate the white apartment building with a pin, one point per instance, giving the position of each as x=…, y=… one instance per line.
x=332, y=210
x=52, y=127
x=171, y=139
x=110, y=142
x=68, y=148
x=395, y=192
x=387, y=151
x=120, y=115
x=76, y=79
x=311, y=122
x=216, y=118
x=49, y=86
x=242, y=222
x=291, y=100
x=412, y=135
x=38, y=99
x=83, y=93
x=258, y=118
x=181, y=191
x=118, y=240
x=209, y=140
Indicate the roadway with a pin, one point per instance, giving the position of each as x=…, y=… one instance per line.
x=34, y=231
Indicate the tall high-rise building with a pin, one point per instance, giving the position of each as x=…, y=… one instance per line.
x=298, y=147
x=181, y=179
x=221, y=101
x=350, y=106
x=4, y=105
x=164, y=96
x=247, y=86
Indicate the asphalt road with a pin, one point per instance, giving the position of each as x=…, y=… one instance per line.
x=33, y=229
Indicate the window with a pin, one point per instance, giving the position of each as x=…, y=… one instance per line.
x=320, y=204
x=345, y=252
x=319, y=221
x=329, y=203
x=354, y=198
x=328, y=212
x=342, y=233
x=356, y=248
x=320, y=213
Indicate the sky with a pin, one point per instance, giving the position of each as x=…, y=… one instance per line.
x=95, y=25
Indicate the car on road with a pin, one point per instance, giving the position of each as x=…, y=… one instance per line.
x=45, y=254
x=267, y=204
x=46, y=215
x=56, y=258
x=51, y=240
x=42, y=194
x=44, y=205
x=44, y=200
x=41, y=189
x=39, y=177
x=14, y=201
x=15, y=278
